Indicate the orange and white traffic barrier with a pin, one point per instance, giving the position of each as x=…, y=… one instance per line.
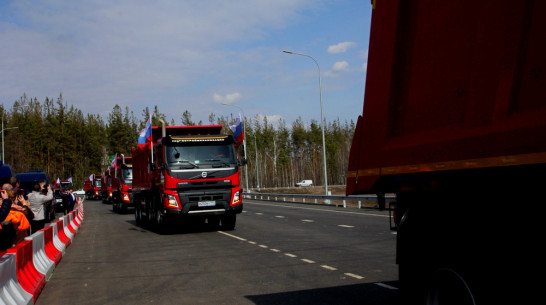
x=73, y=222
x=11, y=291
x=42, y=263
x=61, y=233
x=30, y=279
x=59, y=245
x=69, y=232
x=50, y=249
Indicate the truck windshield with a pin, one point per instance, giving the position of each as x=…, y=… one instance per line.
x=97, y=183
x=219, y=155
x=127, y=175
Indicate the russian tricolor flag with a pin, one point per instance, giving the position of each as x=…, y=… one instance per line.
x=238, y=132
x=145, y=136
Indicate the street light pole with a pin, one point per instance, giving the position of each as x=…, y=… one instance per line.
x=244, y=142
x=321, y=120
x=257, y=176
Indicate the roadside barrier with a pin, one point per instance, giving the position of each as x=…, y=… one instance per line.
x=26, y=267
x=54, y=254
x=42, y=263
x=30, y=279
x=68, y=231
x=73, y=222
x=61, y=232
x=11, y=291
x=59, y=245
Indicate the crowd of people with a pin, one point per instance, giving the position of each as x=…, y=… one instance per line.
x=23, y=214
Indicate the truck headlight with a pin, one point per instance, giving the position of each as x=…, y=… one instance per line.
x=236, y=198
x=172, y=201
x=125, y=197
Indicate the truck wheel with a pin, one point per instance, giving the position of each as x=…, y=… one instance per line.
x=159, y=219
x=228, y=221
x=138, y=215
x=150, y=217
x=447, y=284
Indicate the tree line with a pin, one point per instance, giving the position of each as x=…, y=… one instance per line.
x=64, y=142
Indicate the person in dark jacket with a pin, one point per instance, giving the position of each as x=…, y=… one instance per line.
x=6, y=206
x=71, y=200
x=7, y=232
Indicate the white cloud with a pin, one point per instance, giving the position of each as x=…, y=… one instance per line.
x=229, y=98
x=341, y=66
x=273, y=119
x=341, y=47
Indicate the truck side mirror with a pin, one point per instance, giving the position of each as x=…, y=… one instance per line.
x=243, y=162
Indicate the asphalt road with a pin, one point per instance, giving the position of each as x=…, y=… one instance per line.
x=278, y=254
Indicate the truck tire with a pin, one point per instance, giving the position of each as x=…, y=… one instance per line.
x=138, y=210
x=228, y=221
x=442, y=259
x=138, y=216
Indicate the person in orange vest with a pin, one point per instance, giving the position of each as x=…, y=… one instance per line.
x=13, y=228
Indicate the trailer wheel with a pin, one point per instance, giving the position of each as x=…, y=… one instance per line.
x=160, y=220
x=150, y=217
x=138, y=210
x=138, y=216
x=228, y=221
x=447, y=287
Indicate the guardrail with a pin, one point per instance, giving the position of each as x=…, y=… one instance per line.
x=357, y=201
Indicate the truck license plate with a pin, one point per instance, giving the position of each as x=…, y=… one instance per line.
x=206, y=203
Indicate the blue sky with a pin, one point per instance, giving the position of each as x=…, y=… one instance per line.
x=188, y=55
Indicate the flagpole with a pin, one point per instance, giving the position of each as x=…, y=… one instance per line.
x=244, y=142
x=152, y=141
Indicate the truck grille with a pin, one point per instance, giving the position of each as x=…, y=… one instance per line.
x=206, y=197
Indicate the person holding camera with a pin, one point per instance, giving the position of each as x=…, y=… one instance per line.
x=40, y=195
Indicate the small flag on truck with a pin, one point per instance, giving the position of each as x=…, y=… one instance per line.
x=145, y=136
x=238, y=132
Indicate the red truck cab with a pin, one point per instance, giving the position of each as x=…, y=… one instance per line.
x=122, y=180
x=192, y=172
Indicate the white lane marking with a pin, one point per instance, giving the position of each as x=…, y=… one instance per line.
x=305, y=260
x=233, y=236
x=345, y=226
x=386, y=286
x=259, y=213
x=356, y=276
x=313, y=209
x=307, y=220
x=328, y=267
x=279, y=216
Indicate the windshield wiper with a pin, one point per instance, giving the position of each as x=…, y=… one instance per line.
x=217, y=160
x=186, y=161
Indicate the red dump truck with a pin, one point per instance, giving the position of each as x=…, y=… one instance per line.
x=106, y=186
x=454, y=123
x=92, y=187
x=191, y=175
x=122, y=178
